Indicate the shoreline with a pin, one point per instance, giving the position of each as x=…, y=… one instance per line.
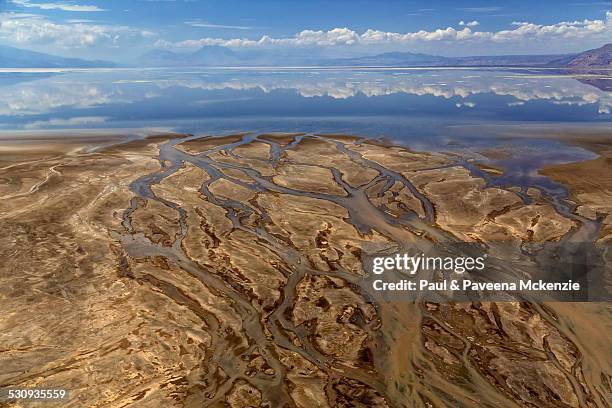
x=574, y=175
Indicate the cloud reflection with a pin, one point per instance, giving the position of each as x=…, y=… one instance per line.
x=82, y=92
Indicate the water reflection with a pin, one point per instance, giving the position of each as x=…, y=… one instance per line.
x=92, y=99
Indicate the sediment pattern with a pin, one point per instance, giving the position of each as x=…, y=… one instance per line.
x=223, y=271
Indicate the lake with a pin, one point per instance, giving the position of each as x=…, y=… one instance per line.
x=396, y=103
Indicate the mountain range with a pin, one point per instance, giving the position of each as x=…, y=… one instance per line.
x=599, y=57
x=205, y=56
x=221, y=56
x=11, y=57
x=424, y=60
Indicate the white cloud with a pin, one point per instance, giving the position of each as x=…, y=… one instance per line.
x=565, y=29
x=521, y=31
x=57, y=6
x=28, y=29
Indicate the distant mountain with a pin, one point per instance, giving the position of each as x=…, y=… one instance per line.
x=391, y=59
x=11, y=57
x=160, y=58
x=223, y=56
x=507, y=60
x=599, y=57
x=409, y=59
x=213, y=55
x=205, y=56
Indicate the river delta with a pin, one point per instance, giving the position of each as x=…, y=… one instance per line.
x=182, y=270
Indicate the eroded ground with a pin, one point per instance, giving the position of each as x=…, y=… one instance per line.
x=590, y=182
x=224, y=272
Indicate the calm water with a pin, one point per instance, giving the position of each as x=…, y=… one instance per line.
x=382, y=102
x=424, y=108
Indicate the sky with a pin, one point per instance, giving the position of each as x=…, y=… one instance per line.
x=121, y=30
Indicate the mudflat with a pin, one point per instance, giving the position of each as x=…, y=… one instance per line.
x=223, y=271
x=590, y=182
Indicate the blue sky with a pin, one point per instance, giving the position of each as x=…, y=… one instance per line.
x=123, y=29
